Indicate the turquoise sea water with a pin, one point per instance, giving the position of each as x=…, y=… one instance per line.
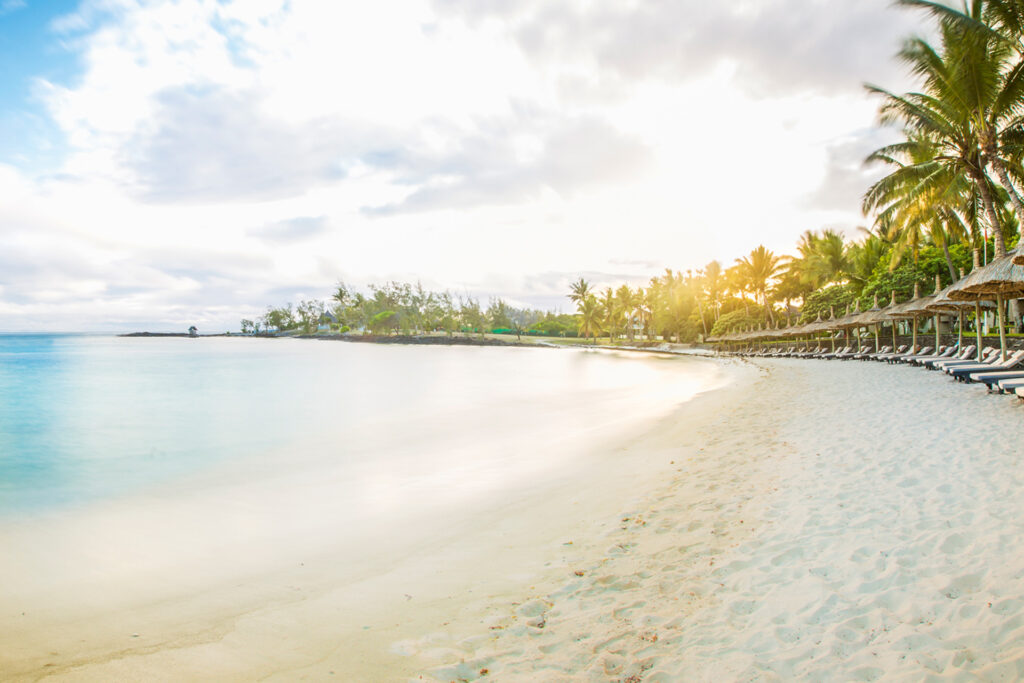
x=90, y=418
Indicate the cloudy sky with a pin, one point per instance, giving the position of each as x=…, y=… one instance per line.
x=191, y=161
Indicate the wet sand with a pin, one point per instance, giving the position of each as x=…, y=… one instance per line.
x=252, y=575
x=838, y=521
x=810, y=520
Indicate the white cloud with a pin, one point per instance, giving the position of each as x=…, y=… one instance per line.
x=226, y=155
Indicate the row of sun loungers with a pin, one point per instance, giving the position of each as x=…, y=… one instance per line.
x=961, y=364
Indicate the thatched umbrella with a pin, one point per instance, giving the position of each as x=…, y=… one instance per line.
x=814, y=327
x=870, y=317
x=999, y=280
x=886, y=314
x=918, y=307
x=849, y=321
x=943, y=303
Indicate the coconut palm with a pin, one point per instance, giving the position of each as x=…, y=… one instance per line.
x=973, y=89
x=758, y=269
x=912, y=208
x=609, y=312
x=714, y=286
x=590, y=317
x=579, y=291
x=626, y=301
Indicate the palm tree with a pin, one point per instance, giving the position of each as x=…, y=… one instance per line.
x=988, y=50
x=738, y=285
x=912, y=208
x=758, y=269
x=590, y=316
x=610, y=312
x=626, y=304
x=579, y=291
x=714, y=285
x=967, y=110
x=790, y=287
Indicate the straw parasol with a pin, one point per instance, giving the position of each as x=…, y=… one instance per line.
x=918, y=307
x=944, y=304
x=849, y=321
x=814, y=327
x=1000, y=280
x=870, y=317
x=886, y=313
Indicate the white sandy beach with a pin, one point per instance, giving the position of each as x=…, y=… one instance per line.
x=837, y=521
x=811, y=520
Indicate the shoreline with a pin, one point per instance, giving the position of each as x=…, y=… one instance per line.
x=231, y=627
x=802, y=521
x=796, y=553
x=526, y=341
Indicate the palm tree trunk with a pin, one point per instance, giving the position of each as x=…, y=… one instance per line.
x=977, y=328
x=1004, y=180
x=983, y=182
x=1002, y=327
x=949, y=260
x=700, y=311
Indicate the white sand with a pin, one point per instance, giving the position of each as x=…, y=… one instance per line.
x=277, y=568
x=827, y=521
x=842, y=521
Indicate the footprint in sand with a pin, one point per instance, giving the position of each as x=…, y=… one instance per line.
x=627, y=610
x=954, y=543
x=966, y=584
x=788, y=557
x=743, y=607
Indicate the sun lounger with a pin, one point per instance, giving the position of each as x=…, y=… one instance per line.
x=993, y=379
x=988, y=355
x=944, y=352
x=963, y=373
x=1009, y=386
x=869, y=353
x=884, y=356
x=964, y=354
x=829, y=356
x=853, y=354
x=926, y=351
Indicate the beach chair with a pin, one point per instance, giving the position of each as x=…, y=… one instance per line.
x=944, y=352
x=882, y=356
x=962, y=373
x=967, y=357
x=829, y=356
x=853, y=352
x=926, y=351
x=1009, y=386
x=994, y=380
x=867, y=354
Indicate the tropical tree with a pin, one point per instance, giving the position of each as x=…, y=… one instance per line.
x=965, y=97
x=626, y=301
x=757, y=270
x=579, y=291
x=590, y=317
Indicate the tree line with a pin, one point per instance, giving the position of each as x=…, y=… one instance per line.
x=404, y=308
x=949, y=200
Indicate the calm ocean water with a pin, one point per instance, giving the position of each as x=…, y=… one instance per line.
x=87, y=418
